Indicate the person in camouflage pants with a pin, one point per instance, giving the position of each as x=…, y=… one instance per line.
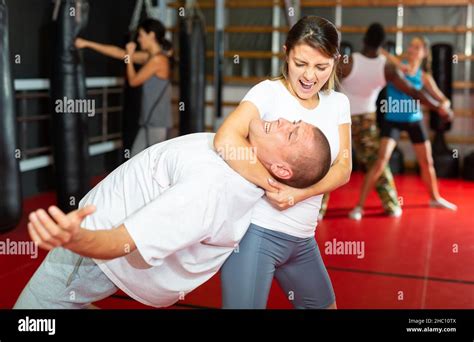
x=365, y=140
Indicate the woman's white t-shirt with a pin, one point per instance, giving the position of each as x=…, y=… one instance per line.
x=274, y=101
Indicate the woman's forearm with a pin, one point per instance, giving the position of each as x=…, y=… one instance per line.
x=338, y=175
x=102, y=244
x=131, y=73
x=107, y=50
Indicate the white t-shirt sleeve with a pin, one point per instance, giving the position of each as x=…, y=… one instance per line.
x=344, y=110
x=183, y=215
x=261, y=96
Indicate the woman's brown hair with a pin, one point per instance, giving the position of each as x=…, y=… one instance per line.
x=320, y=34
x=426, y=62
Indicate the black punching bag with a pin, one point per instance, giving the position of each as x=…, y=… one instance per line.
x=192, y=75
x=10, y=191
x=444, y=162
x=70, y=136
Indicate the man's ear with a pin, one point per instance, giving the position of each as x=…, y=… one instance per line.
x=281, y=170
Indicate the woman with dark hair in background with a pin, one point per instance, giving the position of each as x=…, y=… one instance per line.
x=154, y=75
x=397, y=119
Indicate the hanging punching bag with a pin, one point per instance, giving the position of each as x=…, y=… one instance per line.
x=445, y=164
x=442, y=71
x=10, y=191
x=192, y=74
x=70, y=136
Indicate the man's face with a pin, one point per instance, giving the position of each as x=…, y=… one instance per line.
x=276, y=141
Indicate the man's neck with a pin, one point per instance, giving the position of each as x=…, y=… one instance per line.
x=370, y=52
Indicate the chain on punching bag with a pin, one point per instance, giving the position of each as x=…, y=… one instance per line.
x=192, y=75
x=70, y=140
x=10, y=190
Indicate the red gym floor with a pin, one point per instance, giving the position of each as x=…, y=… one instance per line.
x=423, y=260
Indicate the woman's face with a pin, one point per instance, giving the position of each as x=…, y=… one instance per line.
x=145, y=39
x=308, y=70
x=416, y=50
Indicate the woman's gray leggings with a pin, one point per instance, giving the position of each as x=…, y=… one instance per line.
x=295, y=262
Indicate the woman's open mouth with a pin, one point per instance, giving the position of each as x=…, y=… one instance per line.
x=307, y=86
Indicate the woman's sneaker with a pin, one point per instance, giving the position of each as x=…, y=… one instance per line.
x=442, y=203
x=356, y=213
x=397, y=212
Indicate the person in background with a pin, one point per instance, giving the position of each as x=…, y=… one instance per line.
x=396, y=120
x=154, y=76
x=363, y=76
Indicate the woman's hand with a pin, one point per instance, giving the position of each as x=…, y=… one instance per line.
x=80, y=43
x=284, y=196
x=56, y=228
x=130, y=48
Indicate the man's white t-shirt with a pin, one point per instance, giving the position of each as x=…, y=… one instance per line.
x=185, y=209
x=274, y=101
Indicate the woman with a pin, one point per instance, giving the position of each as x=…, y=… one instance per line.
x=155, y=115
x=281, y=242
x=418, y=73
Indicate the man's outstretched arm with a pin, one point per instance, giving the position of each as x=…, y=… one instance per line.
x=54, y=229
x=183, y=215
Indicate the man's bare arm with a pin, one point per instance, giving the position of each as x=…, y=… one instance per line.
x=54, y=229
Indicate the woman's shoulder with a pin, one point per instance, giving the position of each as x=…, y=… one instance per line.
x=268, y=84
x=266, y=89
x=335, y=96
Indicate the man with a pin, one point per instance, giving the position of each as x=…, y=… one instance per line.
x=166, y=220
x=364, y=75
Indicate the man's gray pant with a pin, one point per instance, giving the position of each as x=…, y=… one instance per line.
x=65, y=280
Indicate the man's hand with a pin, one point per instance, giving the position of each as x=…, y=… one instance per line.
x=57, y=228
x=285, y=196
